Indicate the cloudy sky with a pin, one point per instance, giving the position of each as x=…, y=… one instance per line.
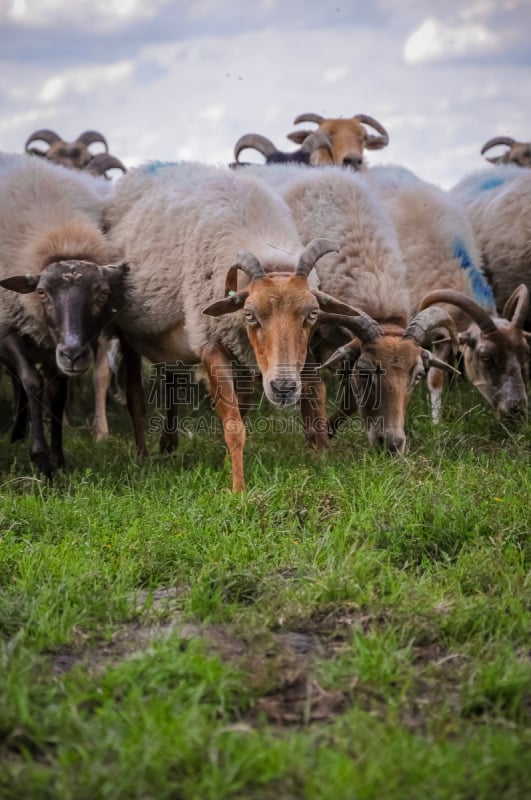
x=183, y=79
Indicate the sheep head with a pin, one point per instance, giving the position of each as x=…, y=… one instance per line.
x=78, y=300
x=348, y=138
x=518, y=153
x=495, y=350
x=280, y=311
x=75, y=155
x=386, y=361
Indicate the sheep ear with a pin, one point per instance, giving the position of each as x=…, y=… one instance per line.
x=23, y=284
x=332, y=306
x=115, y=272
x=234, y=302
x=299, y=136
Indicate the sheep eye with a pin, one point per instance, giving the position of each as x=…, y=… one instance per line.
x=250, y=318
x=418, y=377
x=485, y=356
x=312, y=315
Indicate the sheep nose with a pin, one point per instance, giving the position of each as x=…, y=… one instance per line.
x=516, y=408
x=74, y=357
x=353, y=161
x=284, y=386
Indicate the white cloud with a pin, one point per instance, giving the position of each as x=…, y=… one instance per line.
x=335, y=74
x=83, y=81
x=436, y=41
x=44, y=13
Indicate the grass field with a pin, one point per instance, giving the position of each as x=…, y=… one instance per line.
x=353, y=626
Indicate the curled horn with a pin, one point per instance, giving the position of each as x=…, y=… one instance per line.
x=316, y=140
x=43, y=135
x=102, y=162
x=246, y=262
x=89, y=137
x=424, y=323
x=379, y=141
x=480, y=315
x=364, y=328
x=257, y=142
x=312, y=253
x=517, y=305
x=497, y=140
x=308, y=118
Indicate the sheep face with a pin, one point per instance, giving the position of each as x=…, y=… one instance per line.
x=75, y=299
x=382, y=381
x=497, y=364
x=347, y=138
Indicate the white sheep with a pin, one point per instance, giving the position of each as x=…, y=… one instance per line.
x=185, y=229
x=498, y=204
x=56, y=263
x=440, y=253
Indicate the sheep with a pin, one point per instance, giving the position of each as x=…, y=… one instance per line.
x=387, y=357
x=518, y=153
x=499, y=212
x=272, y=155
x=74, y=154
x=348, y=138
x=61, y=276
x=185, y=230
x=443, y=266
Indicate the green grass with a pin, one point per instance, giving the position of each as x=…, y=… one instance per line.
x=351, y=626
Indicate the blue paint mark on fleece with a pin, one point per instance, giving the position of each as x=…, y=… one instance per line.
x=481, y=290
x=155, y=166
x=492, y=183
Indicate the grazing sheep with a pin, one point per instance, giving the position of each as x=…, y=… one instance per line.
x=348, y=138
x=55, y=261
x=186, y=229
x=500, y=214
x=518, y=153
x=440, y=253
x=388, y=356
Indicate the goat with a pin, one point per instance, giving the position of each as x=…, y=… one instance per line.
x=443, y=266
x=186, y=229
x=387, y=355
x=518, y=153
x=348, y=138
x=62, y=279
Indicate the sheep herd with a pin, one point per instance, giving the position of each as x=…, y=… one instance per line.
x=269, y=272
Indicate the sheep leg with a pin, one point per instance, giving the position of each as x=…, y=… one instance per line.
x=349, y=404
x=31, y=380
x=57, y=390
x=135, y=395
x=169, y=438
x=436, y=381
x=313, y=407
x=101, y=379
x=20, y=425
x=225, y=401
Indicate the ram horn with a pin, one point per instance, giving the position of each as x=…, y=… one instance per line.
x=90, y=137
x=517, y=305
x=256, y=142
x=497, y=140
x=102, y=162
x=479, y=314
x=43, y=135
x=316, y=140
x=432, y=361
x=363, y=326
x=246, y=262
x=317, y=118
x=374, y=141
x=312, y=253
x=426, y=321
